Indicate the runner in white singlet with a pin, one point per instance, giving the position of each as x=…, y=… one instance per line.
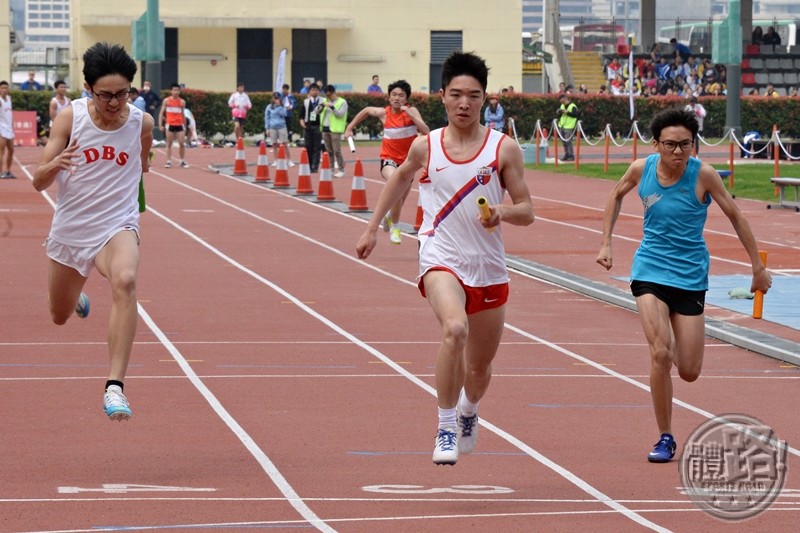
x=462, y=261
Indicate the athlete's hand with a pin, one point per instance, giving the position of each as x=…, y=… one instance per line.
x=762, y=281
x=604, y=257
x=68, y=159
x=366, y=244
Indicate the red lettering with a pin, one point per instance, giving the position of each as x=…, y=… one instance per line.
x=91, y=154
x=122, y=158
x=108, y=153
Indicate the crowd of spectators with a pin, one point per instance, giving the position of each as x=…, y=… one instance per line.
x=672, y=72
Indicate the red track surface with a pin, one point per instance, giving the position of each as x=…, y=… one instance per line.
x=279, y=383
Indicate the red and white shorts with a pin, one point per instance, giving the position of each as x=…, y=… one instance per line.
x=478, y=298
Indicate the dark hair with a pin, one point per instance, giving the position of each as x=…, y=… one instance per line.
x=674, y=116
x=465, y=64
x=178, y=85
x=401, y=84
x=59, y=83
x=330, y=89
x=134, y=91
x=285, y=86
x=4, y=82
x=103, y=59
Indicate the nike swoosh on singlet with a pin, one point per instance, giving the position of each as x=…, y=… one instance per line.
x=439, y=169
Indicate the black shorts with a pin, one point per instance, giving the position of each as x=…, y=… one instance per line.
x=679, y=301
x=388, y=163
x=175, y=129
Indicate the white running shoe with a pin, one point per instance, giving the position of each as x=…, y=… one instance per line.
x=467, y=432
x=168, y=164
x=82, y=307
x=184, y=164
x=339, y=174
x=291, y=163
x=115, y=404
x=445, y=450
x=394, y=235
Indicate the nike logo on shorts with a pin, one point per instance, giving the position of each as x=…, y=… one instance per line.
x=488, y=301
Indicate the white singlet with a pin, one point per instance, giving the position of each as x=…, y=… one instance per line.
x=102, y=194
x=451, y=234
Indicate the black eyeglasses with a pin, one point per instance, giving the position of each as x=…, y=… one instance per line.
x=670, y=146
x=107, y=97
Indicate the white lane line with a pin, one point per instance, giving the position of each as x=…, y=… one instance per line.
x=269, y=467
x=569, y=476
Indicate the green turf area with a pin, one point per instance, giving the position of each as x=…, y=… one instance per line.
x=751, y=180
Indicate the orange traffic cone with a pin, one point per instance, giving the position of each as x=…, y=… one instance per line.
x=325, y=181
x=418, y=220
x=262, y=167
x=358, y=195
x=240, y=165
x=281, y=172
x=304, y=175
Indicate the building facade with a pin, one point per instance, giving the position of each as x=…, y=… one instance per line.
x=214, y=45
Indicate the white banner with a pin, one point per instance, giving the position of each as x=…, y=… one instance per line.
x=631, y=80
x=280, y=74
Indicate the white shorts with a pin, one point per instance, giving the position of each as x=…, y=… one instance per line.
x=81, y=259
x=6, y=132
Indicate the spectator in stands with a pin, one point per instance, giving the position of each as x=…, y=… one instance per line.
x=793, y=91
x=758, y=35
x=613, y=68
x=650, y=81
x=603, y=90
x=306, y=86
x=771, y=37
x=655, y=53
x=663, y=69
x=31, y=84
x=753, y=92
x=681, y=50
x=771, y=92
x=583, y=88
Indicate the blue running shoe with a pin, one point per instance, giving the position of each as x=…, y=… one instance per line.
x=115, y=404
x=82, y=307
x=445, y=451
x=664, y=449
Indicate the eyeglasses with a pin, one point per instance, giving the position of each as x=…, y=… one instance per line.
x=670, y=146
x=106, y=97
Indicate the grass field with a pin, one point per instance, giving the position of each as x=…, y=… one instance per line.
x=751, y=180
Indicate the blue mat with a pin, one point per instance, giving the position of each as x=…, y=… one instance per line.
x=781, y=304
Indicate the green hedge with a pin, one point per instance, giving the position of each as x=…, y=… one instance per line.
x=213, y=116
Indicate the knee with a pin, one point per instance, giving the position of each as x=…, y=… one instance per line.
x=455, y=332
x=661, y=359
x=689, y=374
x=59, y=319
x=124, y=282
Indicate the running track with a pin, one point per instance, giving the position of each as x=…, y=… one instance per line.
x=279, y=383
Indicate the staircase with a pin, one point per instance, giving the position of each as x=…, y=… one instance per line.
x=586, y=67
